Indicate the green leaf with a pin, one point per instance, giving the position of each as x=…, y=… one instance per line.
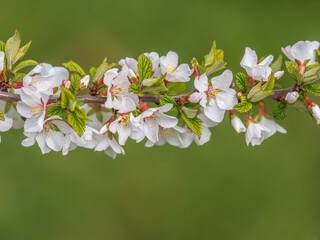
x=214, y=55
x=104, y=66
x=194, y=124
x=144, y=67
x=74, y=67
x=22, y=51
x=242, y=81
x=244, y=105
x=93, y=72
x=158, y=88
x=2, y=46
x=294, y=71
x=312, y=88
x=166, y=99
x=77, y=122
x=18, y=78
x=270, y=84
x=280, y=112
x=56, y=110
x=12, y=47
x=277, y=65
x=176, y=88
x=217, y=66
x=67, y=99
x=190, y=112
x=257, y=93
x=153, y=81
x=26, y=63
x=80, y=102
x=1, y=116
x=312, y=75
x=75, y=83
x=135, y=89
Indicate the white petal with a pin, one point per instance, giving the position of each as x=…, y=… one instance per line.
x=213, y=112
x=223, y=81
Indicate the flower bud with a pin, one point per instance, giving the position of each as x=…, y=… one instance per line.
x=104, y=92
x=85, y=81
x=195, y=97
x=316, y=113
x=17, y=85
x=278, y=74
x=143, y=107
x=103, y=130
x=67, y=84
x=100, y=81
x=131, y=74
x=292, y=97
x=237, y=124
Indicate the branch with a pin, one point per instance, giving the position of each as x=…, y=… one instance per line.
x=11, y=97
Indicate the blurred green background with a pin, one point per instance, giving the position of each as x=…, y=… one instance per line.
x=223, y=190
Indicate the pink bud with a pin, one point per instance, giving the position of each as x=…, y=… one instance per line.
x=67, y=84
x=316, y=113
x=278, y=74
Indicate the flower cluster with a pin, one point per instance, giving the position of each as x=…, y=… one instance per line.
x=145, y=99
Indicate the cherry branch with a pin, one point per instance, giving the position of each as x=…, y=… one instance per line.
x=11, y=97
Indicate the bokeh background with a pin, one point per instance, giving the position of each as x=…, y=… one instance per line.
x=223, y=190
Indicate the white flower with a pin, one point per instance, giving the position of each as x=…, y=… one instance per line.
x=73, y=140
x=6, y=124
x=108, y=144
x=292, y=97
x=169, y=135
x=49, y=138
x=118, y=96
x=216, y=97
x=132, y=64
x=33, y=107
x=13, y=114
x=256, y=133
x=302, y=51
x=44, y=78
x=258, y=71
x=315, y=110
x=151, y=119
x=272, y=126
x=125, y=128
x=1, y=61
x=175, y=73
x=237, y=124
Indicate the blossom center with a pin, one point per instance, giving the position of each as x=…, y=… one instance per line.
x=212, y=92
x=172, y=70
x=124, y=121
x=165, y=133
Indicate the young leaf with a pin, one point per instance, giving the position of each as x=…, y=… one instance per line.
x=56, y=110
x=67, y=99
x=194, y=124
x=166, y=99
x=257, y=93
x=22, y=51
x=293, y=70
x=190, y=112
x=74, y=67
x=176, y=88
x=93, y=72
x=12, y=47
x=26, y=63
x=144, y=67
x=270, y=84
x=158, y=88
x=1, y=116
x=312, y=88
x=153, y=81
x=280, y=112
x=277, y=65
x=75, y=83
x=101, y=70
x=244, y=105
x=2, y=46
x=242, y=81
x=134, y=88
x=77, y=123
x=312, y=75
